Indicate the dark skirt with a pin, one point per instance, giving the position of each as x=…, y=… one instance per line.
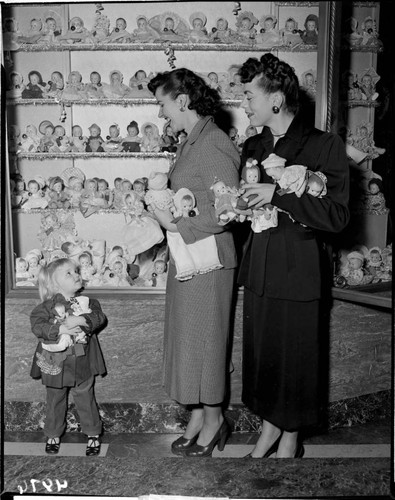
x=281, y=361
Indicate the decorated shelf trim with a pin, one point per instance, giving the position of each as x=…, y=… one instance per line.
x=366, y=104
x=235, y=47
x=364, y=4
x=363, y=49
x=55, y=156
x=297, y=4
x=97, y=102
x=102, y=211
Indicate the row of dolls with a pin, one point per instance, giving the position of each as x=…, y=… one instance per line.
x=74, y=88
x=362, y=266
x=366, y=36
x=115, y=268
x=165, y=27
x=362, y=88
x=53, y=139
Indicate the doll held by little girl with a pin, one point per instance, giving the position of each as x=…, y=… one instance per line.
x=59, y=285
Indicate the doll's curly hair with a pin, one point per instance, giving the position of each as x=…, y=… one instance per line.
x=203, y=99
x=274, y=75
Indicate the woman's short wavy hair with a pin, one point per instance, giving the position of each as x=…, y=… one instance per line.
x=203, y=99
x=273, y=75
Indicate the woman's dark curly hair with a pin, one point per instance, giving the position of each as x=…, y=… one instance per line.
x=203, y=99
x=275, y=75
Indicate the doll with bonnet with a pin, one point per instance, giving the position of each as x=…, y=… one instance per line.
x=74, y=89
x=196, y=258
x=35, y=197
x=150, y=142
x=144, y=32
x=221, y=33
x=245, y=23
x=268, y=35
x=77, y=33
x=57, y=195
x=34, y=258
x=310, y=34
x=170, y=26
x=116, y=89
x=158, y=195
x=198, y=32
x=113, y=140
x=290, y=34
x=291, y=179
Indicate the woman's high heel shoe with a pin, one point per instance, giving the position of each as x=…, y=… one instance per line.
x=218, y=440
x=273, y=448
x=180, y=445
x=299, y=451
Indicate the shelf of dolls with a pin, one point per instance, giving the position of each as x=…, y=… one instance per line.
x=360, y=103
x=297, y=4
x=51, y=156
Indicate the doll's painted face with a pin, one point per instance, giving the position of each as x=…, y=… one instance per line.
x=118, y=183
x=34, y=79
x=309, y=80
x=77, y=186
x=20, y=186
x=91, y=186
x=77, y=24
x=366, y=80
x=213, y=77
x=310, y=25
x=57, y=79
x=74, y=78
x=252, y=175
x=117, y=268
x=245, y=24
x=138, y=187
x=290, y=26
x=148, y=131
x=115, y=78
x=95, y=78
x=141, y=23
x=375, y=256
x=57, y=187
x=268, y=24
x=126, y=186
x=219, y=188
x=85, y=261
x=113, y=131
x=197, y=24
x=160, y=267
x=374, y=188
x=48, y=132
x=355, y=263
x=21, y=266
x=59, y=131
x=51, y=24
x=77, y=131
x=169, y=23
x=95, y=131
x=16, y=79
x=102, y=186
x=314, y=187
x=186, y=205
x=368, y=26
x=363, y=132
x=33, y=187
x=33, y=261
x=120, y=24
x=275, y=172
x=221, y=25
x=35, y=25
x=31, y=131
x=132, y=131
x=141, y=75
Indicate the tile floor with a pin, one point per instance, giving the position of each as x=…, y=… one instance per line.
x=354, y=461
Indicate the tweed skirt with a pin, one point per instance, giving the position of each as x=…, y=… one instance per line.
x=197, y=323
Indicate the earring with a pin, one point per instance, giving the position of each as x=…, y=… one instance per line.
x=182, y=108
x=275, y=110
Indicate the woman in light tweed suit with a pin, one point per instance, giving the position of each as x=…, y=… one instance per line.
x=198, y=310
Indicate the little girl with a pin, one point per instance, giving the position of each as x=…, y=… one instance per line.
x=59, y=284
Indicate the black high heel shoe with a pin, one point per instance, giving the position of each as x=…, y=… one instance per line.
x=218, y=440
x=299, y=451
x=273, y=448
x=180, y=445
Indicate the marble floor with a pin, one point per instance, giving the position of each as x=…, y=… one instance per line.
x=350, y=461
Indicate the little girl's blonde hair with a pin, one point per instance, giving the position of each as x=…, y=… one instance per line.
x=47, y=287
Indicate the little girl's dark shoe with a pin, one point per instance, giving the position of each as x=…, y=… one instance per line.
x=52, y=446
x=180, y=445
x=93, y=446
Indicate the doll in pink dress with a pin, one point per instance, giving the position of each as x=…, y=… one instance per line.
x=141, y=230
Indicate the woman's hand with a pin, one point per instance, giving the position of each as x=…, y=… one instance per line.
x=164, y=217
x=263, y=193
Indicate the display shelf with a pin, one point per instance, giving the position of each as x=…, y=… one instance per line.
x=366, y=104
x=51, y=156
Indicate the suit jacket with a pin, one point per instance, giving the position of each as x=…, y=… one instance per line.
x=285, y=262
x=207, y=155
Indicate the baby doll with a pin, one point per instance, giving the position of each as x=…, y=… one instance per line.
x=101, y=26
x=170, y=26
x=374, y=198
x=62, y=142
x=213, y=82
x=95, y=141
x=74, y=191
x=245, y=27
x=30, y=142
x=198, y=32
x=19, y=194
x=35, y=89
x=94, y=89
x=86, y=267
x=16, y=87
x=168, y=139
x=47, y=141
x=11, y=34
x=118, y=194
x=235, y=89
x=309, y=83
x=141, y=231
x=268, y=36
x=51, y=25
x=105, y=193
x=34, y=258
x=34, y=34
x=126, y=188
x=144, y=32
x=91, y=200
x=75, y=89
x=113, y=140
x=21, y=270
x=310, y=34
x=290, y=34
x=316, y=184
x=74, y=248
x=119, y=33
x=150, y=142
x=367, y=85
x=116, y=275
x=56, y=227
x=77, y=33
x=159, y=274
x=221, y=33
x=140, y=186
x=50, y=32
x=291, y=179
x=196, y=258
x=78, y=140
x=139, y=84
x=35, y=198
x=116, y=89
x=55, y=86
x=353, y=271
x=158, y=195
x=225, y=202
x=131, y=143
x=370, y=37
x=57, y=196
x=374, y=261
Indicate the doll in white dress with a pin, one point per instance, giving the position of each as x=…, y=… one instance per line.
x=291, y=179
x=150, y=142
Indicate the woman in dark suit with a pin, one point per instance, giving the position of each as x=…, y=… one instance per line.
x=281, y=268
x=198, y=310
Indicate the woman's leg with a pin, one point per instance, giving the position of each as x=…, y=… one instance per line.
x=195, y=423
x=269, y=434
x=211, y=422
x=288, y=445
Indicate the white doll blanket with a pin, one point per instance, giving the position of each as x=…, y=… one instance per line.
x=142, y=233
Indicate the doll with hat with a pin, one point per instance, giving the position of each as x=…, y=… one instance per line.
x=198, y=32
x=245, y=23
x=370, y=36
x=158, y=195
x=170, y=26
x=144, y=32
x=47, y=140
x=150, y=142
x=290, y=34
x=196, y=258
x=30, y=141
x=268, y=35
x=116, y=89
x=57, y=195
x=316, y=184
x=77, y=33
x=291, y=179
x=35, y=88
x=35, y=198
x=354, y=271
x=95, y=141
x=74, y=89
x=310, y=34
x=34, y=258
